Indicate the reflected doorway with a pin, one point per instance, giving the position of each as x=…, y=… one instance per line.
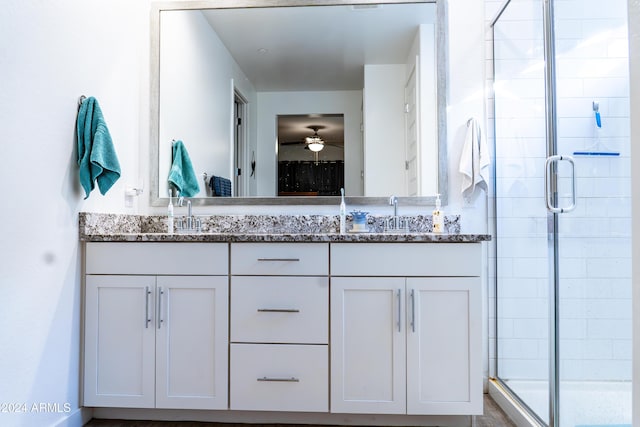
x=310, y=154
x=239, y=141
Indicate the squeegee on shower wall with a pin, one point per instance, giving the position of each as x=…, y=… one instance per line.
x=597, y=153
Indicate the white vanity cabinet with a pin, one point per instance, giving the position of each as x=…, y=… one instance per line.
x=156, y=325
x=279, y=326
x=406, y=328
x=284, y=331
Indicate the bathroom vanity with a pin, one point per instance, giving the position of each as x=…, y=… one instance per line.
x=363, y=328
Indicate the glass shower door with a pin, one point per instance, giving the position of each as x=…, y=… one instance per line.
x=522, y=270
x=594, y=240
x=563, y=278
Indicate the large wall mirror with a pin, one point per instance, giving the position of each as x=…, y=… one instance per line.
x=356, y=90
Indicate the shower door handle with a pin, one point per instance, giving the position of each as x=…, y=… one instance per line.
x=551, y=160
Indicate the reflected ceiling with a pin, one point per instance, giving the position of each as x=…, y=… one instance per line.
x=279, y=48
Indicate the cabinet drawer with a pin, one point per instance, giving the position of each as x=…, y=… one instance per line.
x=307, y=259
x=280, y=309
x=406, y=259
x=279, y=377
x=157, y=258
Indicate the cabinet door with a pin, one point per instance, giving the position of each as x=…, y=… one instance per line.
x=192, y=342
x=119, y=341
x=444, y=356
x=368, y=345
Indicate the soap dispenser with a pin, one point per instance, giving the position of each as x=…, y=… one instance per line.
x=438, y=216
x=343, y=213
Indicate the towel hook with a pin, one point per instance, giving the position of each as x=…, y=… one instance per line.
x=80, y=101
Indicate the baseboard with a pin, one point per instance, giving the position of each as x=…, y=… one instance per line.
x=265, y=417
x=77, y=418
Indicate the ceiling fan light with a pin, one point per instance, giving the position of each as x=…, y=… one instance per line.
x=315, y=143
x=316, y=146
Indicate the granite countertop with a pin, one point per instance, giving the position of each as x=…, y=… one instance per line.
x=264, y=228
x=288, y=237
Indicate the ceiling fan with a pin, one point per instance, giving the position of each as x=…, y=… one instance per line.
x=314, y=142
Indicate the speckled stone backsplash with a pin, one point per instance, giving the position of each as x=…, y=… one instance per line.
x=98, y=223
x=93, y=223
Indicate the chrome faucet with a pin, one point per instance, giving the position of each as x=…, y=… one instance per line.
x=395, y=223
x=189, y=216
x=188, y=223
x=393, y=201
x=181, y=202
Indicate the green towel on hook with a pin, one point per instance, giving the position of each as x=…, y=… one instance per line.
x=181, y=174
x=96, y=155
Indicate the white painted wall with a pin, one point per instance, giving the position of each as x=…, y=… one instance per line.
x=633, y=10
x=465, y=99
x=272, y=104
x=197, y=78
x=53, y=52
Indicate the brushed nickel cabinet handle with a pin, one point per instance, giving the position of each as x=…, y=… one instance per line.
x=279, y=259
x=147, y=292
x=399, y=310
x=278, y=310
x=413, y=310
x=279, y=380
x=160, y=320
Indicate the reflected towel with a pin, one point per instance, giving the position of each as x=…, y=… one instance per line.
x=96, y=155
x=474, y=161
x=220, y=186
x=181, y=174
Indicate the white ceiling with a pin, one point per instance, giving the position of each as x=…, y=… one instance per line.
x=317, y=48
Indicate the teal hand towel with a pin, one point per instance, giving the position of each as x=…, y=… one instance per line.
x=181, y=174
x=96, y=155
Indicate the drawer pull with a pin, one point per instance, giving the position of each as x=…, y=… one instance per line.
x=278, y=310
x=280, y=259
x=280, y=380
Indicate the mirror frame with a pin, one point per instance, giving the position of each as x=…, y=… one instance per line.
x=154, y=119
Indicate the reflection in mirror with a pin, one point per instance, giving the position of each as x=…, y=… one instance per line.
x=310, y=155
x=222, y=77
